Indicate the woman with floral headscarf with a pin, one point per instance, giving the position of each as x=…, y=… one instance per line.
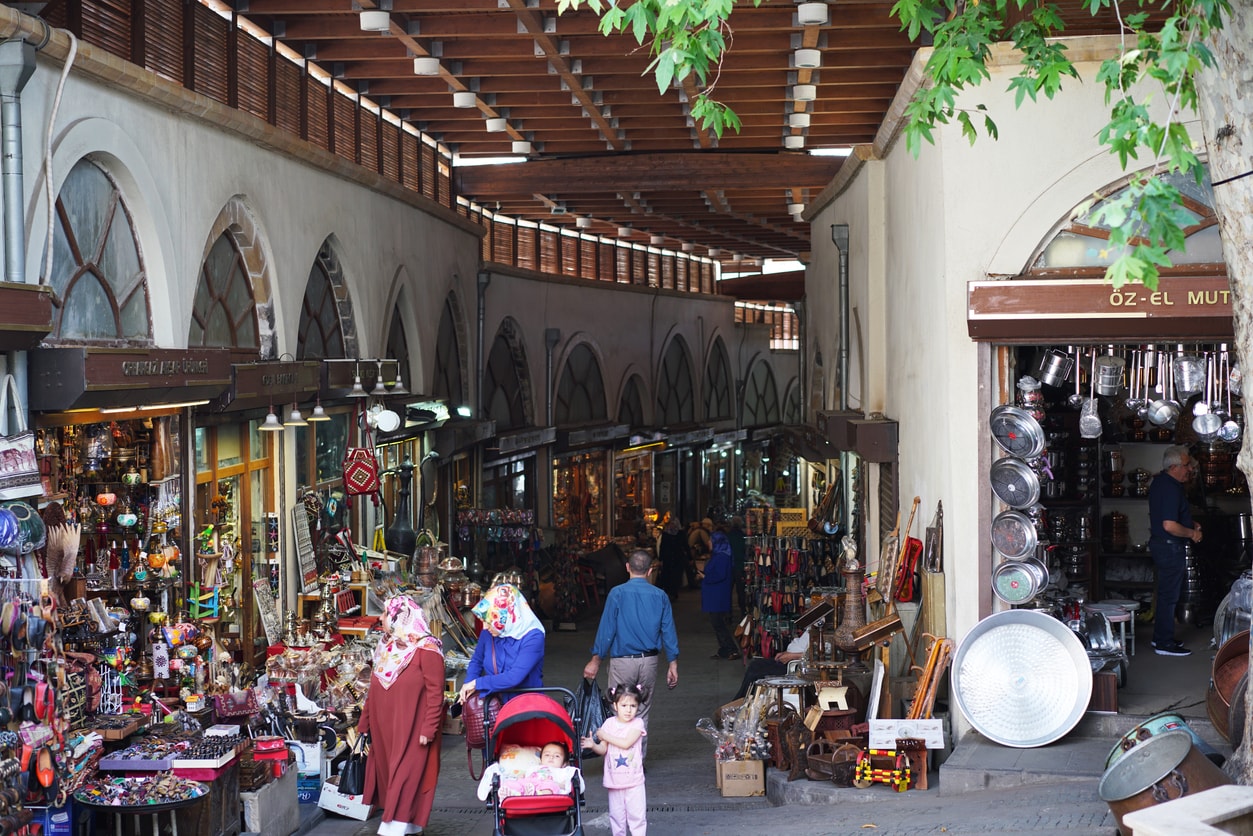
x=403, y=714
x=510, y=650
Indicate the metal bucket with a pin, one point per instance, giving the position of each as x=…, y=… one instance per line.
x=1159, y=724
x=1109, y=375
x=1164, y=767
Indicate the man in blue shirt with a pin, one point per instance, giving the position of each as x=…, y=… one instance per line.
x=636, y=625
x=1170, y=529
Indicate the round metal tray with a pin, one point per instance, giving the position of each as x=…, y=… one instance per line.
x=1022, y=678
x=1016, y=431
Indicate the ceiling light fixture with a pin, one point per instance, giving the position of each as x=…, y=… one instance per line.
x=795, y=208
x=688, y=247
x=496, y=124
x=812, y=14
x=624, y=232
x=379, y=389
x=583, y=222
x=804, y=92
x=358, y=391
x=426, y=65
x=807, y=59
x=714, y=252
x=294, y=418
x=794, y=142
x=521, y=146
x=375, y=20
x=656, y=240
x=271, y=423
x=465, y=99
x=798, y=120
x=318, y=414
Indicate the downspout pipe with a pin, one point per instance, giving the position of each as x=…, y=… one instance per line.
x=552, y=336
x=17, y=65
x=839, y=237
x=484, y=279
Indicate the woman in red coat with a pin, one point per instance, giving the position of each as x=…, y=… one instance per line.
x=403, y=714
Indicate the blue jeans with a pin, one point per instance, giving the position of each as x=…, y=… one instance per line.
x=1168, y=560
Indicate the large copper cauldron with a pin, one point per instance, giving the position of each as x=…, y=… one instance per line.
x=1164, y=767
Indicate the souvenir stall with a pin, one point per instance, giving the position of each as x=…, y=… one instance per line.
x=635, y=501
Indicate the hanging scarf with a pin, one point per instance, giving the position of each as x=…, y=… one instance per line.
x=407, y=632
x=506, y=613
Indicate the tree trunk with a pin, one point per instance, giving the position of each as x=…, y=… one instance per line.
x=1226, y=105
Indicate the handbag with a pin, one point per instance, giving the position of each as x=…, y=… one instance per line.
x=19, y=469
x=236, y=703
x=352, y=777
x=361, y=469
x=478, y=714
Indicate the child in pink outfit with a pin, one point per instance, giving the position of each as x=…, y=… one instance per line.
x=620, y=740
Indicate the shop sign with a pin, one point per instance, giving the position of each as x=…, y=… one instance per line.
x=593, y=436
x=27, y=315
x=526, y=439
x=272, y=381
x=730, y=437
x=690, y=438
x=83, y=377
x=1029, y=311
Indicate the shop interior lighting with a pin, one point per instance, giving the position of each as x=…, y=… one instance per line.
x=379, y=389
x=294, y=418
x=807, y=59
x=794, y=142
x=464, y=411
x=358, y=391
x=426, y=65
x=812, y=14
x=521, y=146
x=375, y=20
x=151, y=406
x=795, y=208
x=798, y=120
x=496, y=124
x=804, y=92
x=465, y=99
x=656, y=240
x=583, y=222
x=318, y=414
x=271, y=423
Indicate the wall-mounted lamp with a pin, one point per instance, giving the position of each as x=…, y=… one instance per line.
x=464, y=411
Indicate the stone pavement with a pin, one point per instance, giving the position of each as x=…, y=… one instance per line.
x=983, y=787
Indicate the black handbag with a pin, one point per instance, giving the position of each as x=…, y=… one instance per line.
x=352, y=777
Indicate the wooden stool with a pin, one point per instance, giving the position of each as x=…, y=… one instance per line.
x=587, y=580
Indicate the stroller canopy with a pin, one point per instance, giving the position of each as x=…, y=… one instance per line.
x=532, y=720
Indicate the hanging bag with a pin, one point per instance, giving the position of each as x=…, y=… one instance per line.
x=361, y=469
x=19, y=469
x=352, y=778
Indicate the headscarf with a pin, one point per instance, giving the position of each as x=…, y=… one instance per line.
x=407, y=632
x=504, y=611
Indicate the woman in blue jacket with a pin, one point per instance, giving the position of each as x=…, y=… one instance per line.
x=510, y=650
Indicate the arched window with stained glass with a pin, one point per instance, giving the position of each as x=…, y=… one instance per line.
x=581, y=391
x=224, y=314
x=675, y=396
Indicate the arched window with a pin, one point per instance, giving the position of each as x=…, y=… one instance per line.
x=1079, y=247
x=719, y=405
x=321, y=334
x=761, y=398
x=398, y=346
x=503, y=387
x=674, y=387
x=224, y=314
x=100, y=287
x=581, y=392
x=792, y=405
x=631, y=406
x=448, y=383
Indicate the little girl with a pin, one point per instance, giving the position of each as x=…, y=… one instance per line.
x=620, y=740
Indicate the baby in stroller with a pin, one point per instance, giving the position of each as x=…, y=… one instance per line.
x=532, y=771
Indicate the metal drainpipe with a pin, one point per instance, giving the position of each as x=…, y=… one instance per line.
x=17, y=64
x=552, y=336
x=485, y=279
x=839, y=237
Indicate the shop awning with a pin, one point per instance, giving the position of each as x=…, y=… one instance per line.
x=101, y=378
x=26, y=317
x=1033, y=311
x=837, y=427
x=601, y=435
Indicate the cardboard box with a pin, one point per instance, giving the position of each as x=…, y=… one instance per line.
x=308, y=788
x=309, y=757
x=454, y=725
x=352, y=806
x=742, y=779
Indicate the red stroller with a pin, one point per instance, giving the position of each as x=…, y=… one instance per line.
x=533, y=718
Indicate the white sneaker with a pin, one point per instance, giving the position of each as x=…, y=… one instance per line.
x=392, y=828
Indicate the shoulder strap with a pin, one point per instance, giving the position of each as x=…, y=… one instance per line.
x=495, y=667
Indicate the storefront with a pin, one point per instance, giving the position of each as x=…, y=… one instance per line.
x=642, y=494
x=581, y=498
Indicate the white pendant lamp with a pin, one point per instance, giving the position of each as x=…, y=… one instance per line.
x=798, y=120
x=804, y=92
x=496, y=124
x=583, y=222
x=294, y=418
x=271, y=423
x=318, y=414
x=794, y=142
x=521, y=146
x=464, y=99
x=795, y=208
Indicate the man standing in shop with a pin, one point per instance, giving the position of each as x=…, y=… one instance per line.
x=636, y=625
x=1170, y=529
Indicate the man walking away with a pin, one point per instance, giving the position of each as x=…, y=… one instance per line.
x=636, y=625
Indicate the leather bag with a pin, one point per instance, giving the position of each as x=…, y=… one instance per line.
x=352, y=778
x=360, y=467
x=478, y=714
x=236, y=703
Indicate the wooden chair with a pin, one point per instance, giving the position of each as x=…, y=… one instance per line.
x=591, y=589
